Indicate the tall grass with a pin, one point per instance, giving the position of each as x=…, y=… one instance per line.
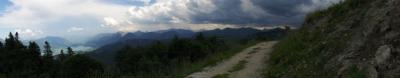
x=307, y=52
x=338, y=10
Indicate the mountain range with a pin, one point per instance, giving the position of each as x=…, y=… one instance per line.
x=108, y=38
x=109, y=42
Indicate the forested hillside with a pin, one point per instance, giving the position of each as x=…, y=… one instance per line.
x=21, y=61
x=165, y=59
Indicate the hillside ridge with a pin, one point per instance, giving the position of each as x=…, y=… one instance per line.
x=351, y=39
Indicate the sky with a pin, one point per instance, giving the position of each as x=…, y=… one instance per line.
x=77, y=20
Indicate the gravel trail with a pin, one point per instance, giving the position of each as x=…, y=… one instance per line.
x=255, y=56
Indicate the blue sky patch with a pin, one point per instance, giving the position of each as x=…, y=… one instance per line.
x=3, y=5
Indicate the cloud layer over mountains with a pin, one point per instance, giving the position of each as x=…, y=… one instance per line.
x=96, y=16
x=265, y=12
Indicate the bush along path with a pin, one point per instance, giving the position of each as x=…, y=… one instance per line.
x=246, y=64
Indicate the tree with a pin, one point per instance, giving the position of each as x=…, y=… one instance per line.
x=33, y=59
x=2, y=58
x=70, y=51
x=1, y=49
x=48, y=61
x=10, y=42
x=18, y=43
x=1, y=45
x=62, y=56
x=19, y=61
x=48, y=54
x=13, y=43
x=16, y=36
x=33, y=54
x=34, y=50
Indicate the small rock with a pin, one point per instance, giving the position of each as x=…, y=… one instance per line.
x=382, y=54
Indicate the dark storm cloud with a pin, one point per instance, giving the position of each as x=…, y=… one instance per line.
x=239, y=12
x=279, y=12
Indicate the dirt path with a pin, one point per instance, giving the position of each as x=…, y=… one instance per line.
x=255, y=57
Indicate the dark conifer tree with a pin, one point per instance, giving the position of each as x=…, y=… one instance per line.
x=2, y=57
x=16, y=36
x=1, y=45
x=48, y=61
x=34, y=50
x=70, y=52
x=33, y=59
x=62, y=56
x=10, y=42
x=1, y=51
x=18, y=44
x=15, y=60
x=1, y=48
x=6, y=60
x=47, y=51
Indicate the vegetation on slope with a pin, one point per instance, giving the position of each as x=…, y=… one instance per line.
x=20, y=61
x=308, y=51
x=176, y=59
x=172, y=59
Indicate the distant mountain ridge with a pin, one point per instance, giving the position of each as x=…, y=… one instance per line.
x=56, y=42
x=109, y=38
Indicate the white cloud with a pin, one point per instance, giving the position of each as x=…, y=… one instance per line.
x=110, y=21
x=73, y=29
x=29, y=33
x=167, y=10
x=34, y=13
x=37, y=14
x=254, y=11
x=160, y=12
x=317, y=5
